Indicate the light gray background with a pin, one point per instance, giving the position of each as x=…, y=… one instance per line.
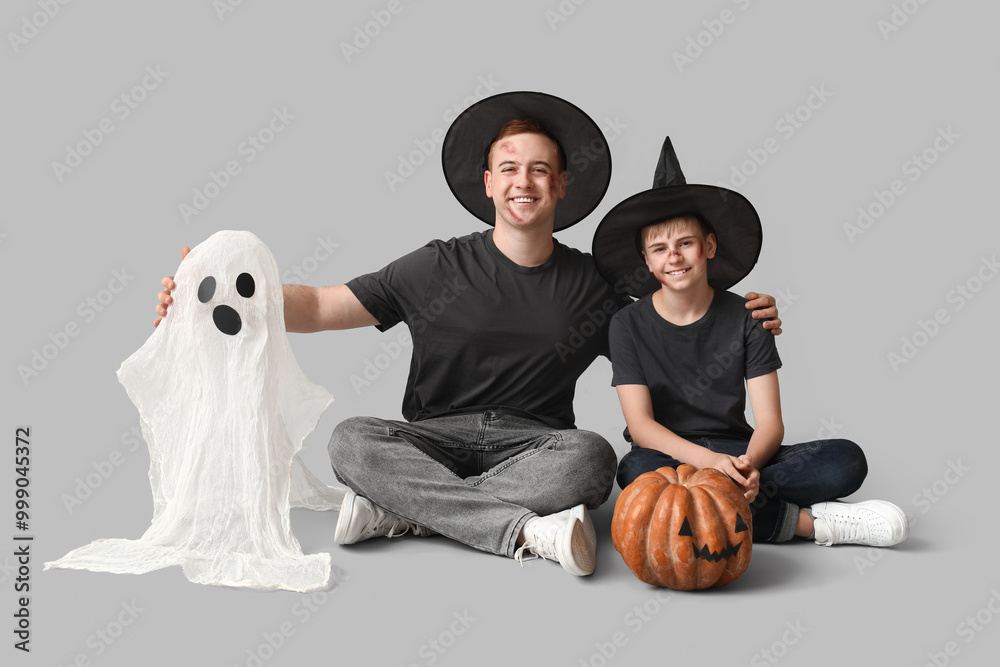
x=845, y=305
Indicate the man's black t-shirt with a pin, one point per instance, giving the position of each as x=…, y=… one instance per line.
x=490, y=333
x=694, y=372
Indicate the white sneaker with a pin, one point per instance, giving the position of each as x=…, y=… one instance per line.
x=876, y=523
x=361, y=519
x=562, y=537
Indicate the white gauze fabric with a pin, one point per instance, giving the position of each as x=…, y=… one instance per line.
x=224, y=409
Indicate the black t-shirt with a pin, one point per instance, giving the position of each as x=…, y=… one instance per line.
x=695, y=372
x=490, y=333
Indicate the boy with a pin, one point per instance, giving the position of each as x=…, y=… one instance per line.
x=680, y=356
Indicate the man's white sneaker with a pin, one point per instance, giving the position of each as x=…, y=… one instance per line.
x=876, y=523
x=361, y=519
x=561, y=537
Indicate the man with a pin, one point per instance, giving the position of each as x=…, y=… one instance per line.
x=503, y=323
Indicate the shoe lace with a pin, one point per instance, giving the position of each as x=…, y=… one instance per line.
x=541, y=545
x=845, y=528
x=526, y=552
x=394, y=522
x=407, y=527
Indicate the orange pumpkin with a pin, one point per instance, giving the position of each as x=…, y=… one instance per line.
x=685, y=529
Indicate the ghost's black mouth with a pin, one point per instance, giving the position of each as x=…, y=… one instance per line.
x=715, y=556
x=227, y=320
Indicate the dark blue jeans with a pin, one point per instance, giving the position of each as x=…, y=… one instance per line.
x=797, y=476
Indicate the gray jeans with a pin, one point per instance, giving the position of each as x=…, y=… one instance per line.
x=474, y=477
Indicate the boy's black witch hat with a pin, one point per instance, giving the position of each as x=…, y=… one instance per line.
x=467, y=144
x=617, y=244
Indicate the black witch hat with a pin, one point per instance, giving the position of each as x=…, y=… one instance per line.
x=467, y=144
x=730, y=215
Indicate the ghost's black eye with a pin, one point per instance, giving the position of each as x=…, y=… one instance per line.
x=685, y=528
x=207, y=289
x=245, y=285
x=740, y=525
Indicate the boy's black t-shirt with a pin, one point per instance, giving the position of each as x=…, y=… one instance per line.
x=695, y=372
x=490, y=333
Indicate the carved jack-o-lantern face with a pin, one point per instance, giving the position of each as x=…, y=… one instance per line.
x=733, y=549
x=685, y=529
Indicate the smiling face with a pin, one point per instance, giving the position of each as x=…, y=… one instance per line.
x=525, y=181
x=677, y=252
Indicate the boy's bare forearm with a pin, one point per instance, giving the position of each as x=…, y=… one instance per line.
x=648, y=433
x=637, y=408
x=765, y=442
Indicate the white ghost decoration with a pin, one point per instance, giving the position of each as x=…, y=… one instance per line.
x=224, y=408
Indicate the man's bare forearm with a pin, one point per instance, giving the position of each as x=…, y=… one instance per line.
x=309, y=309
x=301, y=308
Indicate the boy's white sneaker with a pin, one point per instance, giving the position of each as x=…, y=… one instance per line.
x=361, y=519
x=876, y=523
x=567, y=537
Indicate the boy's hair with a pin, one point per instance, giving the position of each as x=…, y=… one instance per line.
x=529, y=126
x=670, y=226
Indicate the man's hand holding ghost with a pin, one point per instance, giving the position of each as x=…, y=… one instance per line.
x=307, y=308
x=164, y=296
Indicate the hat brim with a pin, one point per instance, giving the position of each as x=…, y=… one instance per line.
x=736, y=223
x=588, y=156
